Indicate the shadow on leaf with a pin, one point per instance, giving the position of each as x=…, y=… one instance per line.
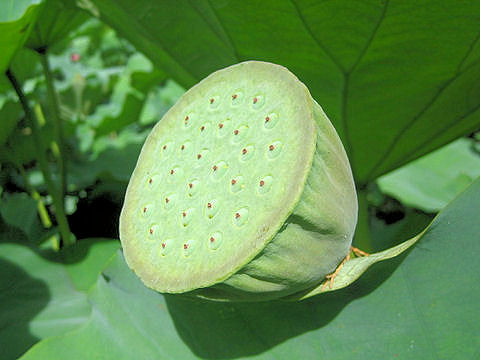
x=217, y=330
x=22, y=298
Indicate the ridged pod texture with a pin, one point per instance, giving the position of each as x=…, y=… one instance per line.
x=256, y=201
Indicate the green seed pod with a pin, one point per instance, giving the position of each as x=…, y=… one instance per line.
x=243, y=191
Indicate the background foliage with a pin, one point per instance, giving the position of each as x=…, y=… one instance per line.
x=399, y=80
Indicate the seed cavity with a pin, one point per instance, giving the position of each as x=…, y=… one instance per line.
x=166, y=149
x=152, y=181
x=223, y=127
x=264, y=184
x=174, y=173
x=186, y=216
x=188, y=120
x=169, y=201
x=240, y=133
x=237, y=184
x=204, y=129
x=215, y=240
x=211, y=208
x=146, y=210
x=165, y=247
x=188, y=247
x=201, y=156
x=257, y=101
x=193, y=187
x=152, y=232
x=237, y=98
x=247, y=152
x=274, y=149
x=185, y=148
x=218, y=170
x=213, y=102
x=240, y=216
x=270, y=121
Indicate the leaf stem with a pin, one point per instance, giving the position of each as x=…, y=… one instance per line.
x=55, y=110
x=362, y=238
x=57, y=199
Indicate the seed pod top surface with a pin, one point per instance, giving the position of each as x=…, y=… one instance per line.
x=218, y=176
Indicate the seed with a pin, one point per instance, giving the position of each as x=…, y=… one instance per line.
x=164, y=147
x=149, y=181
x=234, y=181
x=167, y=200
x=244, y=151
x=199, y=156
x=185, y=246
x=262, y=182
x=163, y=245
x=144, y=209
x=236, y=132
x=212, y=239
x=184, y=214
x=190, y=185
x=151, y=231
x=220, y=126
x=234, y=96
x=255, y=100
x=172, y=172
x=237, y=215
x=202, y=128
x=267, y=119
x=215, y=168
x=209, y=205
x=271, y=148
x=182, y=147
x=212, y=100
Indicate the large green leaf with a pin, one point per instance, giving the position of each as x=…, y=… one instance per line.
x=397, y=78
x=17, y=18
x=43, y=293
x=417, y=306
x=55, y=21
x=434, y=180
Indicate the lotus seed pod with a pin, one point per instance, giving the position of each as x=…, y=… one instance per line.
x=243, y=191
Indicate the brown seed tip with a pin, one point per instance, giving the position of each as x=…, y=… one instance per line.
x=167, y=200
x=212, y=100
x=185, y=246
x=237, y=215
x=220, y=126
x=236, y=132
x=184, y=214
x=262, y=182
x=199, y=156
x=172, y=172
x=190, y=185
x=234, y=96
x=234, y=181
x=244, y=151
x=255, y=100
x=215, y=168
x=209, y=205
x=164, y=147
x=186, y=118
x=163, y=245
x=182, y=147
x=267, y=119
x=149, y=181
x=202, y=128
x=271, y=147
x=144, y=209
x=212, y=239
x=151, y=231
